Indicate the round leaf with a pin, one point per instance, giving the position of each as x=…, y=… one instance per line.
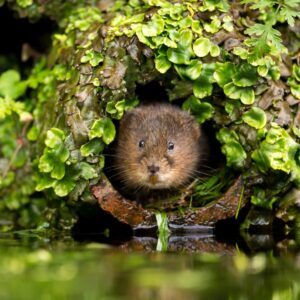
x=245, y=75
x=191, y=71
x=54, y=138
x=235, y=154
x=104, y=128
x=46, y=162
x=202, y=47
x=180, y=55
x=232, y=91
x=224, y=73
x=11, y=85
x=87, y=172
x=247, y=96
x=255, y=117
x=162, y=64
x=154, y=28
x=63, y=187
x=58, y=171
x=202, y=87
x=215, y=50
x=185, y=38
x=44, y=182
x=93, y=147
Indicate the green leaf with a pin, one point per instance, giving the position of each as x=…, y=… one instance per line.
x=54, y=138
x=25, y=3
x=289, y=12
x=63, y=187
x=44, y=182
x=191, y=104
x=97, y=58
x=247, y=96
x=225, y=135
x=20, y=158
x=224, y=73
x=241, y=52
x=262, y=71
x=202, y=87
x=104, y=128
x=185, y=22
x=163, y=229
x=7, y=180
x=11, y=85
x=155, y=27
x=87, y=171
x=295, y=88
x=214, y=50
x=260, y=199
x=255, y=117
x=277, y=152
x=163, y=40
x=214, y=26
x=201, y=110
x=58, y=171
x=245, y=75
x=111, y=107
x=162, y=64
x=183, y=53
x=202, y=47
x=211, y=5
x=87, y=57
x=179, y=55
x=33, y=134
x=235, y=154
x=185, y=38
x=62, y=153
x=93, y=147
x=46, y=162
x=196, y=27
x=191, y=71
x=267, y=33
x=93, y=57
x=227, y=23
x=232, y=91
x=296, y=72
x=231, y=148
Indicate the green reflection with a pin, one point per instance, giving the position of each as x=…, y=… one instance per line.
x=33, y=268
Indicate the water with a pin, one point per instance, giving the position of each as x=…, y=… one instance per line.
x=33, y=267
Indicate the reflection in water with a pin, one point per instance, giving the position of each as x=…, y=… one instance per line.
x=35, y=268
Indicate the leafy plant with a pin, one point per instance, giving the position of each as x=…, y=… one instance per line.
x=232, y=149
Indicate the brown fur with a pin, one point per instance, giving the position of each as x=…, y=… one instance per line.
x=157, y=124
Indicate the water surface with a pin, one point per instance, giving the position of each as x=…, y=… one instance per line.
x=33, y=267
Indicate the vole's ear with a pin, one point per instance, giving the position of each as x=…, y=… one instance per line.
x=129, y=118
x=192, y=125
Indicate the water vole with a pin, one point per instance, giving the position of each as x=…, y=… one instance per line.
x=158, y=147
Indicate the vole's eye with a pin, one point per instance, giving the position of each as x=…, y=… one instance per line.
x=142, y=144
x=170, y=146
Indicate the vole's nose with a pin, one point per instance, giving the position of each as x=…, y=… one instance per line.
x=153, y=169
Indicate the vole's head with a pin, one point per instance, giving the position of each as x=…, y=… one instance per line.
x=157, y=147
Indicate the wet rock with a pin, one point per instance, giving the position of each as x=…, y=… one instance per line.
x=224, y=208
x=126, y=211
x=284, y=116
x=191, y=220
x=275, y=92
